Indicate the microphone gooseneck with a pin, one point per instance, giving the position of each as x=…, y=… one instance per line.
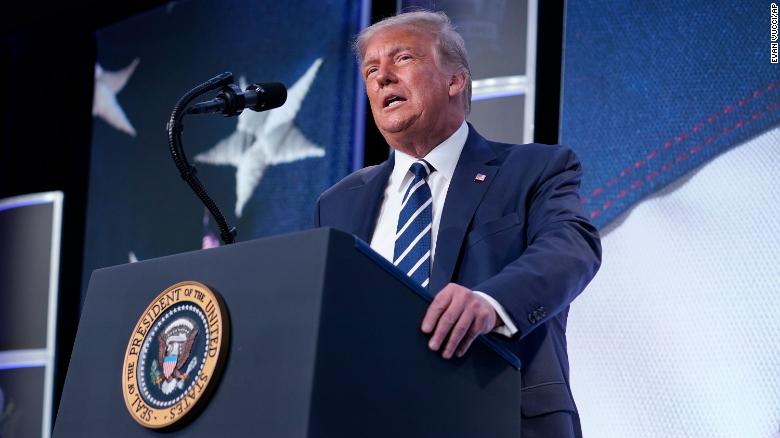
x=186, y=170
x=230, y=101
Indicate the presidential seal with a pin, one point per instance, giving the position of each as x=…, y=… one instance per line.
x=175, y=355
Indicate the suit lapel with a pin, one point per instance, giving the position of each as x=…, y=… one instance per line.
x=463, y=197
x=367, y=197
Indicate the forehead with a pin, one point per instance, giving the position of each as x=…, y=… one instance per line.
x=386, y=42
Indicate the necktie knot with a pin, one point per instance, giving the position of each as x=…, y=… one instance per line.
x=421, y=169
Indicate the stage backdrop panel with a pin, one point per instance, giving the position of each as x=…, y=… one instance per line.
x=673, y=109
x=500, y=38
x=265, y=170
x=30, y=231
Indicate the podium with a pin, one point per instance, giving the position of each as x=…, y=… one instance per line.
x=325, y=342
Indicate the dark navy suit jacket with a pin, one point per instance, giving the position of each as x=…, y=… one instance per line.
x=519, y=236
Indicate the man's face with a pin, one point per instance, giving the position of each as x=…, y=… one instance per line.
x=407, y=91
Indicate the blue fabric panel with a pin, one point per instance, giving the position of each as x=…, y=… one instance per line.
x=654, y=89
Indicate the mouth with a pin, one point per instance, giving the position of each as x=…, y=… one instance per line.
x=392, y=100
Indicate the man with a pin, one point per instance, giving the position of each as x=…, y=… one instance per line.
x=495, y=231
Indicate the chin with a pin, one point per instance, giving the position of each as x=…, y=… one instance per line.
x=392, y=129
x=396, y=125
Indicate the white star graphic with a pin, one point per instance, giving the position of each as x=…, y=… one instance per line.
x=265, y=139
x=104, y=103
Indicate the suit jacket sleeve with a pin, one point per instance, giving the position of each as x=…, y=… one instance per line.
x=563, y=251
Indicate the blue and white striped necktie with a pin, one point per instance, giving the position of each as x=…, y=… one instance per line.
x=413, y=234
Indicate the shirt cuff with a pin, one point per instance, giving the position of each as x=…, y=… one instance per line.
x=509, y=328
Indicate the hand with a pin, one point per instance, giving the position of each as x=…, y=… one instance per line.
x=462, y=314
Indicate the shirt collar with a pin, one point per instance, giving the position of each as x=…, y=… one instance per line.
x=443, y=157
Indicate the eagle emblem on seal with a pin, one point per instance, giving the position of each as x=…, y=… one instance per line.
x=173, y=355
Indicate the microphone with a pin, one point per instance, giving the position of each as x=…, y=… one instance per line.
x=231, y=100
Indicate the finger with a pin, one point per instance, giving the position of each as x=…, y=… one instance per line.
x=479, y=327
x=465, y=322
x=465, y=344
x=435, y=309
x=445, y=323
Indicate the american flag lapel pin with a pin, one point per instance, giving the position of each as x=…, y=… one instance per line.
x=480, y=178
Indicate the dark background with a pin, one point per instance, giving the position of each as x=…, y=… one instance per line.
x=48, y=56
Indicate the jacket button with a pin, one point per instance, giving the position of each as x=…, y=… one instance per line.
x=536, y=315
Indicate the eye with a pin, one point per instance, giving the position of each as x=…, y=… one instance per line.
x=370, y=70
x=404, y=57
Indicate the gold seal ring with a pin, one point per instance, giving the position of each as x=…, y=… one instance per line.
x=175, y=355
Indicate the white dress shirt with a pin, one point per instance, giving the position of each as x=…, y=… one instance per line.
x=443, y=158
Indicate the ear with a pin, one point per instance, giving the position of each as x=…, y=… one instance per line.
x=457, y=84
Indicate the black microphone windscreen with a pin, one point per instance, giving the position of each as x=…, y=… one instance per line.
x=269, y=95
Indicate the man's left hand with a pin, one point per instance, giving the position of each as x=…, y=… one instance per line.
x=460, y=313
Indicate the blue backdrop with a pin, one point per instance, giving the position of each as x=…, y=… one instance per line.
x=138, y=207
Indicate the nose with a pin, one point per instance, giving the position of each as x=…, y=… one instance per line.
x=385, y=75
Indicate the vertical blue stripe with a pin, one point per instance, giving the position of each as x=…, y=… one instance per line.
x=359, y=129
